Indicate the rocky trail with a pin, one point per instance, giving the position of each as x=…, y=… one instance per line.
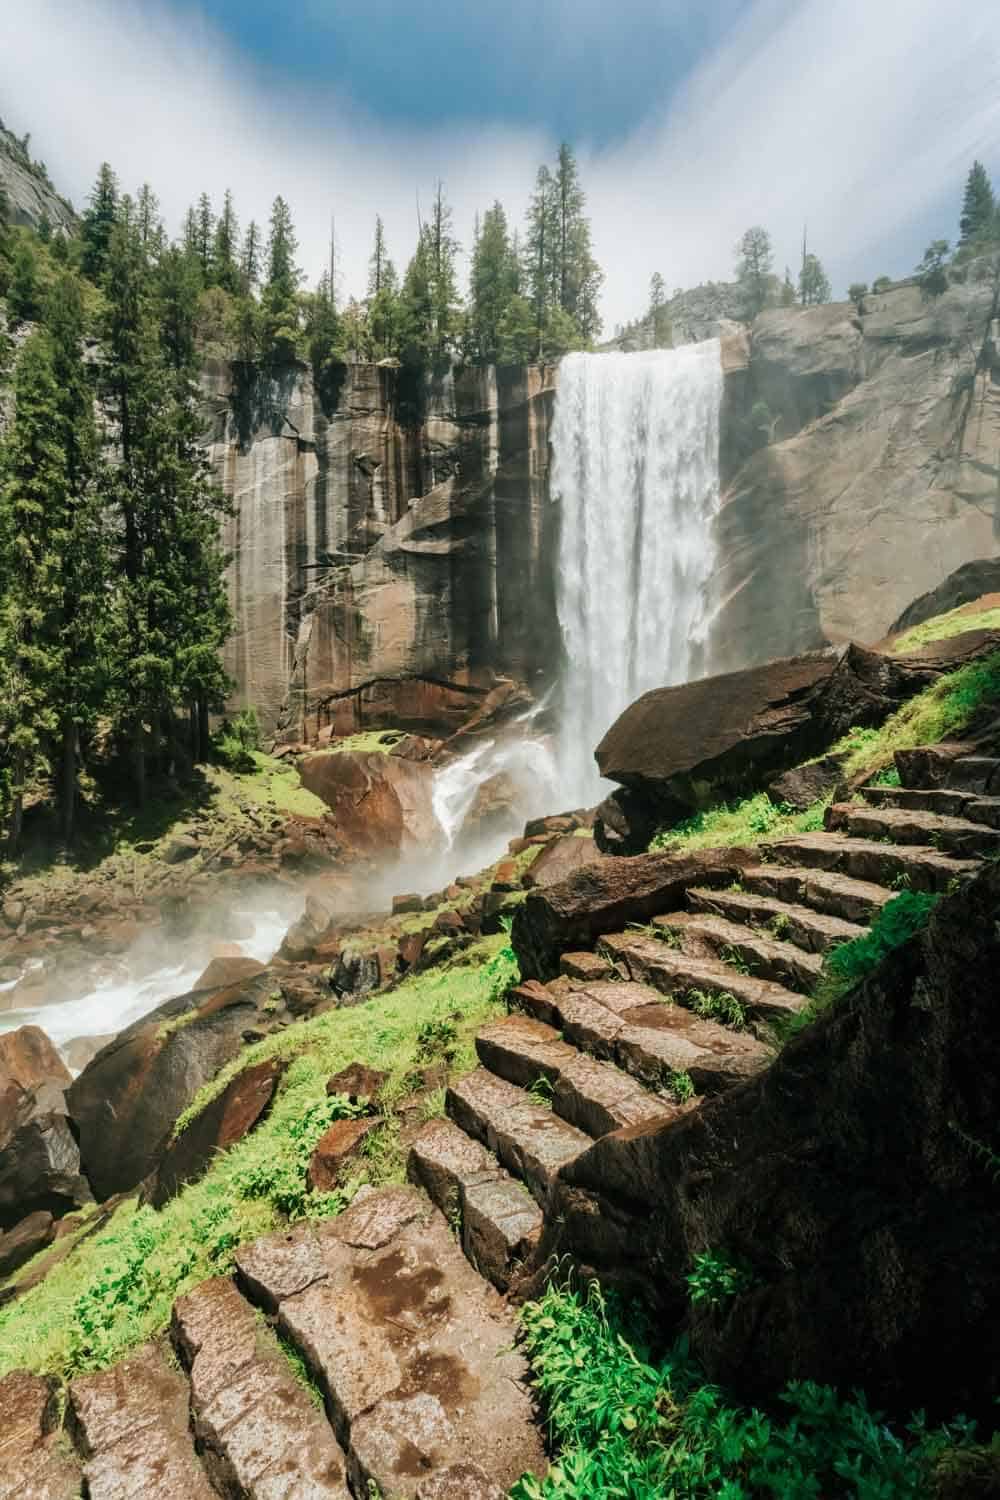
x=400, y=1310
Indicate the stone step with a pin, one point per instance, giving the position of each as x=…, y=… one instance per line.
x=36, y=1462
x=946, y=765
x=889, y=865
x=946, y=834
x=260, y=1435
x=594, y=1096
x=826, y=892
x=654, y=1039
x=499, y=1220
x=412, y=1349
x=813, y=931
x=530, y=1140
x=131, y=1425
x=946, y=800
x=711, y=935
x=685, y=977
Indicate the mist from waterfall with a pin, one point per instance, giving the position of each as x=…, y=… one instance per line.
x=635, y=443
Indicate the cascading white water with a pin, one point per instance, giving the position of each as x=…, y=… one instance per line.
x=635, y=443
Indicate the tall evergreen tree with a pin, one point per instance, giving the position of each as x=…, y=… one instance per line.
x=148, y=221
x=32, y=498
x=443, y=250
x=98, y=222
x=23, y=295
x=493, y=282
x=85, y=571
x=279, y=305
x=659, y=316
x=383, y=297
x=755, y=259
x=978, y=207
x=416, y=306
x=541, y=266
x=225, y=269
x=579, y=276
x=814, y=284
x=250, y=259
x=205, y=235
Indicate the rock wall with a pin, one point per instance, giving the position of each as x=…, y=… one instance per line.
x=860, y=462
x=394, y=548
x=391, y=541
x=30, y=196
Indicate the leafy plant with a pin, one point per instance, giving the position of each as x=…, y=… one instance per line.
x=887, y=776
x=541, y=1090
x=436, y=1041
x=631, y=1428
x=731, y=955
x=681, y=1086
x=234, y=741
x=718, y=1006
x=716, y=1279
x=779, y=924
x=894, y=925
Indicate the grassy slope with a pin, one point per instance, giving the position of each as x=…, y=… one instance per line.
x=116, y=1289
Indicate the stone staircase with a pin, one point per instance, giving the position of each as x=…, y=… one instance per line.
x=408, y=1382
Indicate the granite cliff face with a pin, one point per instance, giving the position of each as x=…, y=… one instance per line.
x=391, y=539
x=395, y=546
x=30, y=195
x=881, y=476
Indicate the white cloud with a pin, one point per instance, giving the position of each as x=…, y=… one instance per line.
x=860, y=117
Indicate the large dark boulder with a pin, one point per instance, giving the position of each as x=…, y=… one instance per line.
x=856, y=1179
x=605, y=895
x=39, y=1156
x=560, y=859
x=125, y=1102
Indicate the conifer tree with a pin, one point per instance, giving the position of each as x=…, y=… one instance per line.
x=205, y=235
x=23, y=298
x=279, y=306
x=225, y=270
x=579, y=276
x=659, y=316
x=493, y=282
x=323, y=333
x=442, y=252
x=978, y=207
x=383, y=296
x=82, y=545
x=148, y=222
x=753, y=269
x=541, y=265
x=250, y=259
x=98, y=223
x=814, y=285
x=416, y=307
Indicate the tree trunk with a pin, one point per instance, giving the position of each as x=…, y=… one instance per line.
x=16, y=803
x=67, y=790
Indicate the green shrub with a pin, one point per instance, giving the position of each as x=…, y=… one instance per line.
x=744, y=822
x=234, y=741
x=716, y=1279
x=900, y=918
x=631, y=1428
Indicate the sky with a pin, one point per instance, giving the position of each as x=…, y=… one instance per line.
x=692, y=119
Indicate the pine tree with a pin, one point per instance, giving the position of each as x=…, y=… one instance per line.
x=416, y=307
x=32, y=495
x=279, y=306
x=250, y=259
x=753, y=269
x=205, y=235
x=98, y=223
x=443, y=249
x=23, y=297
x=517, y=333
x=541, y=266
x=788, y=296
x=814, y=285
x=85, y=570
x=225, y=269
x=148, y=222
x=493, y=282
x=659, y=316
x=579, y=276
x=978, y=207
x=323, y=335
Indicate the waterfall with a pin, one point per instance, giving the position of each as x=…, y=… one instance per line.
x=635, y=442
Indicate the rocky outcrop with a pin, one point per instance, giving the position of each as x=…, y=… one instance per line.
x=967, y=584
x=391, y=541
x=39, y=1157
x=30, y=195
x=738, y=731
x=125, y=1103
x=859, y=455
x=381, y=803
x=854, y=1180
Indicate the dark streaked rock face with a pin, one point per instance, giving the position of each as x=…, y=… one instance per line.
x=392, y=542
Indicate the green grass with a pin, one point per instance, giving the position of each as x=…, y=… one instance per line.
x=943, y=710
x=627, y=1426
x=370, y=742
x=745, y=822
x=116, y=1289
x=943, y=627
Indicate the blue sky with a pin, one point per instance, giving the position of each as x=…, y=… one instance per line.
x=584, y=71
x=693, y=119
